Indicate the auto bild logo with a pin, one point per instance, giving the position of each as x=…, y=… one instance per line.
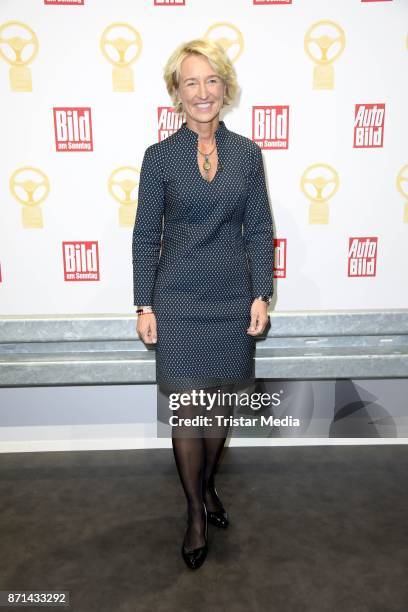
x=73, y=129
x=270, y=126
x=362, y=256
x=168, y=121
x=279, y=270
x=81, y=260
x=369, y=126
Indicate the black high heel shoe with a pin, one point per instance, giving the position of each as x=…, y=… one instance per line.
x=196, y=557
x=219, y=518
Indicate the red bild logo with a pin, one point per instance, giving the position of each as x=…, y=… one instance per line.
x=279, y=269
x=73, y=129
x=167, y=121
x=362, y=256
x=369, y=126
x=270, y=126
x=81, y=260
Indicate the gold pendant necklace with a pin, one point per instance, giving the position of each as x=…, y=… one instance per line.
x=207, y=163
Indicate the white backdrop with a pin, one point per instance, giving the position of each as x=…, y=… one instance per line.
x=71, y=72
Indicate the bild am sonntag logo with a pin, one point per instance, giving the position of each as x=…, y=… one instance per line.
x=81, y=260
x=270, y=126
x=73, y=129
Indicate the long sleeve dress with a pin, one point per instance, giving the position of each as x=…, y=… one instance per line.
x=202, y=251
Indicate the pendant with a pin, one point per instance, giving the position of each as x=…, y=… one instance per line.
x=206, y=164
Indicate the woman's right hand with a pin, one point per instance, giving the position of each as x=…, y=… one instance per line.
x=146, y=327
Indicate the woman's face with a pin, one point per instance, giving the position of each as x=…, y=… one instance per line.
x=200, y=90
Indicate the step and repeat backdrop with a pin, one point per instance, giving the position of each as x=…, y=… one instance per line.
x=323, y=91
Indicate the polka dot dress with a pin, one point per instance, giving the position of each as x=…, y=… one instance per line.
x=215, y=257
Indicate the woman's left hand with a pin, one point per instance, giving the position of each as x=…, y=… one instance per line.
x=259, y=317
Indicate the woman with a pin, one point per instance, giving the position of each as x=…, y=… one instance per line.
x=203, y=292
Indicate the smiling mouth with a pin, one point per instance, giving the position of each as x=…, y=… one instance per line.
x=204, y=106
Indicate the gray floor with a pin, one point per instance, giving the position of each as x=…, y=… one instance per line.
x=312, y=529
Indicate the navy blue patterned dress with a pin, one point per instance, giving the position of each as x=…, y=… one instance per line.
x=214, y=258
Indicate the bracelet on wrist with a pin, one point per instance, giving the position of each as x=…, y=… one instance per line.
x=144, y=310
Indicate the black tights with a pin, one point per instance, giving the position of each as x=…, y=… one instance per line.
x=197, y=450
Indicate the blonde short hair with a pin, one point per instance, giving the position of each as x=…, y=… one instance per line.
x=218, y=59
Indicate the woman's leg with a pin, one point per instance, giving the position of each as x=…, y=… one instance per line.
x=189, y=454
x=214, y=441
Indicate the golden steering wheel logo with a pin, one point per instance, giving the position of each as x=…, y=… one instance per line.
x=121, y=45
x=228, y=36
x=30, y=186
x=122, y=185
x=319, y=183
x=18, y=47
x=324, y=50
x=402, y=186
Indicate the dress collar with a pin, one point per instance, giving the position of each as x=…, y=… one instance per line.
x=220, y=133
